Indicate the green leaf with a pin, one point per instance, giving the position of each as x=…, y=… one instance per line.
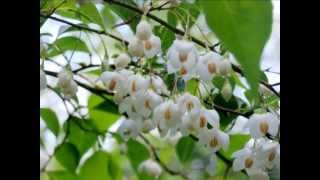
x=167, y=37
x=69, y=43
x=218, y=82
x=50, y=119
x=96, y=167
x=237, y=142
x=243, y=27
x=68, y=156
x=108, y=18
x=81, y=139
x=103, y=112
x=115, y=165
x=137, y=153
x=61, y=175
x=90, y=10
x=192, y=86
x=185, y=148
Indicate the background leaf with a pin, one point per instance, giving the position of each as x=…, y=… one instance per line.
x=69, y=43
x=137, y=153
x=96, y=167
x=68, y=156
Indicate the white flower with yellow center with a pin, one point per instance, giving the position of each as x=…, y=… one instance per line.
x=182, y=57
x=269, y=153
x=167, y=116
x=152, y=46
x=135, y=47
x=143, y=30
x=246, y=159
x=137, y=83
x=112, y=81
x=261, y=125
x=128, y=129
x=198, y=119
x=157, y=84
x=187, y=102
x=146, y=101
x=208, y=66
x=214, y=139
x=122, y=61
x=66, y=84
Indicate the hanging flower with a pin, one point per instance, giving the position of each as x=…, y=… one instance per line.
x=66, y=84
x=128, y=129
x=214, y=139
x=225, y=67
x=137, y=83
x=152, y=46
x=187, y=102
x=208, y=66
x=143, y=30
x=262, y=124
x=157, y=84
x=150, y=167
x=246, y=159
x=136, y=48
x=122, y=61
x=146, y=101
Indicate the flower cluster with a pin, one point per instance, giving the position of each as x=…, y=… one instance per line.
x=263, y=154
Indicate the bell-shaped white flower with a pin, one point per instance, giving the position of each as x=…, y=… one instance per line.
x=128, y=105
x=167, y=115
x=66, y=84
x=225, y=67
x=128, y=129
x=262, y=124
x=137, y=83
x=214, y=139
x=187, y=102
x=150, y=167
x=43, y=81
x=122, y=61
x=269, y=153
x=136, y=48
x=246, y=159
x=157, y=84
x=198, y=119
x=112, y=81
x=152, y=46
x=182, y=57
x=208, y=65
x=143, y=30
x=146, y=101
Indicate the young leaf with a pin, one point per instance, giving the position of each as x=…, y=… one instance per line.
x=50, y=119
x=96, y=167
x=185, y=148
x=237, y=142
x=243, y=27
x=68, y=156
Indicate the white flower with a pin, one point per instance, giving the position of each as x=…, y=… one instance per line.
x=167, y=115
x=214, y=139
x=246, y=159
x=239, y=126
x=207, y=66
x=146, y=101
x=262, y=124
x=112, y=81
x=66, y=84
x=152, y=46
x=122, y=61
x=137, y=83
x=261, y=175
x=128, y=105
x=225, y=67
x=211, y=167
x=143, y=30
x=187, y=102
x=182, y=57
x=157, y=84
x=136, y=48
x=198, y=119
x=150, y=167
x=128, y=129
x=269, y=153
x=43, y=81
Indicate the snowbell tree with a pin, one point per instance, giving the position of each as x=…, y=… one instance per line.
x=158, y=78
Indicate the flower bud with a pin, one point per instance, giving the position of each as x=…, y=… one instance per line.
x=225, y=67
x=122, y=61
x=226, y=90
x=143, y=30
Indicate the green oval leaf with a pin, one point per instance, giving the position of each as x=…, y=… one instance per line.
x=96, y=167
x=64, y=44
x=243, y=27
x=137, y=153
x=68, y=156
x=185, y=148
x=50, y=119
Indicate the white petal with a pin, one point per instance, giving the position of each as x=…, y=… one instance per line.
x=143, y=30
x=238, y=164
x=224, y=138
x=155, y=47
